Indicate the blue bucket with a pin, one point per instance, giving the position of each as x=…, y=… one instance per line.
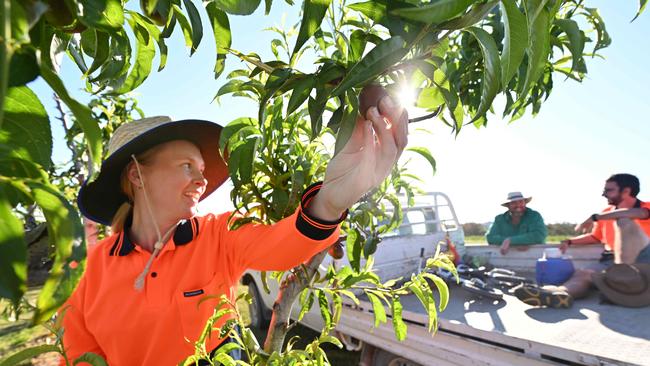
x=553, y=271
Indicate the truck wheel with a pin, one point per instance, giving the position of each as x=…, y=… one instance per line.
x=383, y=358
x=256, y=311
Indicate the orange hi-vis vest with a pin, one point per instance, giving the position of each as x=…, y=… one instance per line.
x=158, y=325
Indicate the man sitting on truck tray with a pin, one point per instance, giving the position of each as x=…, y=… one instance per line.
x=624, y=228
x=519, y=225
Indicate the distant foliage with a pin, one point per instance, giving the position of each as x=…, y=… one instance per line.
x=564, y=228
x=474, y=229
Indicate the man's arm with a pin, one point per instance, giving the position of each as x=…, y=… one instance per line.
x=493, y=235
x=641, y=213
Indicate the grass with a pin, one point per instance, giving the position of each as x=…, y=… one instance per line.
x=17, y=335
x=478, y=239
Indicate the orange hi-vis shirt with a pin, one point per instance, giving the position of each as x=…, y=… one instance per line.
x=604, y=229
x=158, y=325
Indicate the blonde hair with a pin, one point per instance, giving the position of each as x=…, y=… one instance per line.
x=126, y=208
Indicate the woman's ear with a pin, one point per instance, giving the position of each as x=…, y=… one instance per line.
x=132, y=174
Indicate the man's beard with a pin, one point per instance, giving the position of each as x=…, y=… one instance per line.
x=614, y=201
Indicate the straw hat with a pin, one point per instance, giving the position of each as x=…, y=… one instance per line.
x=515, y=196
x=625, y=284
x=99, y=200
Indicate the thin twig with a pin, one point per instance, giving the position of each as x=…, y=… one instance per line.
x=426, y=116
x=259, y=64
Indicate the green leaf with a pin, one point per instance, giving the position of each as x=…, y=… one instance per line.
x=91, y=358
x=313, y=14
x=101, y=51
x=576, y=40
x=642, y=4
x=222, y=36
x=380, y=58
x=246, y=159
x=27, y=354
x=13, y=252
x=115, y=69
x=353, y=248
x=490, y=85
x=398, y=323
x=357, y=45
x=267, y=6
x=603, y=37
x=538, y=42
x=107, y=15
x=425, y=153
x=265, y=283
x=300, y=93
x=23, y=67
x=515, y=40
x=26, y=127
x=348, y=120
x=185, y=26
x=238, y=7
x=326, y=338
x=19, y=24
x=436, y=12
x=378, y=309
x=82, y=113
x=474, y=16
x=337, y=303
x=224, y=359
x=306, y=302
x=145, y=53
x=156, y=34
x=274, y=82
x=324, y=308
x=430, y=98
x=66, y=234
x=197, y=26
x=374, y=10
x=443, y=289
x=316, y=107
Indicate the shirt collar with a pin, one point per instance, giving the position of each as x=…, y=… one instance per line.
x=185, y=232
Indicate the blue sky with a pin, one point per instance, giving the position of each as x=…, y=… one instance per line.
x=584, y=132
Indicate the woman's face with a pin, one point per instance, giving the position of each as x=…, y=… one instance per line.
x=174, y=180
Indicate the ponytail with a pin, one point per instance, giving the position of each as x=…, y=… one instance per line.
x=120, y=217
x=126, y=209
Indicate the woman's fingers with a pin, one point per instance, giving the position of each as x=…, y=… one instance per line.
x=385, y=138
x=398, y=118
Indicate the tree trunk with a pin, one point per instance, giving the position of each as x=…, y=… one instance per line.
x=291, y=287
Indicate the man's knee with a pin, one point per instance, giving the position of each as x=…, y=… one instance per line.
x=630, y=240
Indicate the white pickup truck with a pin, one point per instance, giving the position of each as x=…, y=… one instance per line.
x=474, y=330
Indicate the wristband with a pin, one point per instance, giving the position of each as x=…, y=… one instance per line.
x=594, y=217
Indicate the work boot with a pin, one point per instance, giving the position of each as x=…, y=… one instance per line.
x=538, y=296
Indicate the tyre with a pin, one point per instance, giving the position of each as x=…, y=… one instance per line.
x=384, y=358
x=256, y=308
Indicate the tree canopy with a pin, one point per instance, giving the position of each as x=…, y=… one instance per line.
x=457, y=54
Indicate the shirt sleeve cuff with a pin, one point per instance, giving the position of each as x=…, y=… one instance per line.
x=313, y=227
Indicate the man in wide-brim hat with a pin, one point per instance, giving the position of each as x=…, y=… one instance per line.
x=519, y=225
